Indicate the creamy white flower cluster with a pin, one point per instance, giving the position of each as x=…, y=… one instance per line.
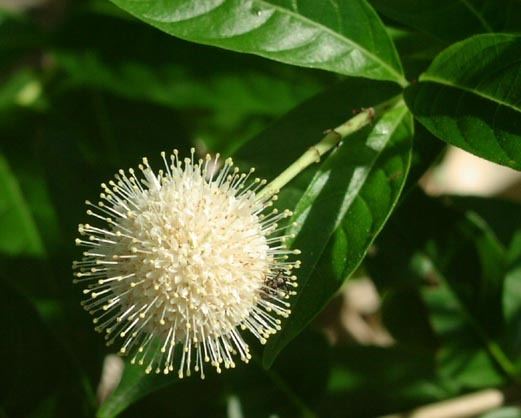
x=183, y=259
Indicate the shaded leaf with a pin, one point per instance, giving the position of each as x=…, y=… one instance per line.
x=174, y=86
x=416, y=50
x=500, y=214
x=458, y=266
x=18, y=36
x=406, y=317
x=18, y=232
x=224, y=103
x=426, y=151
x=503, y=218
x=453, y=20
x=371, y=381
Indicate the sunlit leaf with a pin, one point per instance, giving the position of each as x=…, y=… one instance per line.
x=346, y=37
x=470, y=97
x=341, y=212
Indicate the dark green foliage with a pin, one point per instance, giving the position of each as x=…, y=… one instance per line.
x=91, y=87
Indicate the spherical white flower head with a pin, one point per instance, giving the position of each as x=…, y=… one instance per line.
x=184, y=259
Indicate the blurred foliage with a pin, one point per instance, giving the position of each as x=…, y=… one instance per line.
x=86, y=89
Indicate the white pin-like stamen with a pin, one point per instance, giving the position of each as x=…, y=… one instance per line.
x=185, y=257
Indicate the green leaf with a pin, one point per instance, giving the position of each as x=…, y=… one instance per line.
x=244, y=90
x=342, y=211
x=172, y=72
x=464, y=355
x=453, y=20
x=134, y=385
x=500, y=214
x=503, y=218
x=18, y=232
x=458, y=266
x=455, y=247
x=470, y=97
x=372, y=381
x=228, y=102
x=346, y=37
x=224, y=104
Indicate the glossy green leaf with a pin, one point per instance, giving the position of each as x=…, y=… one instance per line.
x=341, y=212
x=453, y=20
x=18, y=232
x=470, y=97
x=346, y=37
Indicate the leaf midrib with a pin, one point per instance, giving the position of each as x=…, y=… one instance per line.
x=399, y=77
x=480, y=18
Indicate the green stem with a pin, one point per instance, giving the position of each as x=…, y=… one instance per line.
x=328, y=142
x=503, y=361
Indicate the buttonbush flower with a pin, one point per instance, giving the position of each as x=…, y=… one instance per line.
x=179, y=262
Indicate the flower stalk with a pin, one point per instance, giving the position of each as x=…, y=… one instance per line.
x=327, y=143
